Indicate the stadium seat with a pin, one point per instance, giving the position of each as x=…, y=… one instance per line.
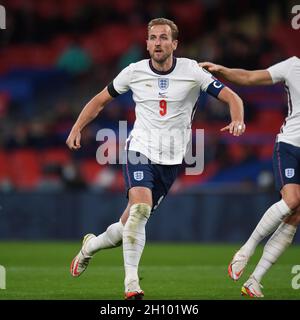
x=139, y=34
x=124, y=7
x=4, y=103
x=122, y=39
x=89, y=169
x=286, y=38
x=59, y=156
x=188, y=14
x=266, y=151
x=269, y=120
x=186, y=181
x=24, y=168
x=236, y=152
x=118, y=184
x=4, y=167
x=61, y=42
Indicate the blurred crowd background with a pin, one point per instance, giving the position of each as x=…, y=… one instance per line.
x=56, y=55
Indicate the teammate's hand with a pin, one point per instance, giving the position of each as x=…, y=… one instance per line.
x=73, y=141
x=235, y=128
x=211, y=67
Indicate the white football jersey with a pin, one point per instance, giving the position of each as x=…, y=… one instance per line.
x=165, y=105
x=288, y=71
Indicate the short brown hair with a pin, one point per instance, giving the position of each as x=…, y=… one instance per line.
x=170, y=23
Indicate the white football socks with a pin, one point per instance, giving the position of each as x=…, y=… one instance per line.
x=276, y=245
x=110, y=238
x=268, y=223
x=134, y=238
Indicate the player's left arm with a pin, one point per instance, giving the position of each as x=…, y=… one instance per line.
x=237, y=126
x=88, y=113
x=217, y=89
x=239, y=76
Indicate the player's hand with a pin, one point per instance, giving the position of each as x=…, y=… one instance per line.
x=235, y=128
x=73, y=141
x=211, y=67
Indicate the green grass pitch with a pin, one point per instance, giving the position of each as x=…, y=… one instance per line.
x=40, y=270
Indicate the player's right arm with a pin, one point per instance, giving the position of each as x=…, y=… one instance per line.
x=88, y=113
x=118, y=86
x=239, y=76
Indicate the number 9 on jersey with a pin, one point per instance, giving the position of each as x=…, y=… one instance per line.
x=163, y=107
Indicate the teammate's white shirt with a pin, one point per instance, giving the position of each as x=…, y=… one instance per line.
x=164, y=106
x=288, y=71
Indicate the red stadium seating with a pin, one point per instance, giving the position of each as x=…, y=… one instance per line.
x=185, y=181
x=266, y=151
x=89, y=169
x=4, y=167
x=236, y=152
x=269, y=120
x=4, y=103
x=286, y=38
x=55, y=156
x=24, y=168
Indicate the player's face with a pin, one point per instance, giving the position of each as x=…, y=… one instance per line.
x=160, y=43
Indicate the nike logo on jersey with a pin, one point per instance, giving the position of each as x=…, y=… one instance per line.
x=148, y=85
x=162, y=94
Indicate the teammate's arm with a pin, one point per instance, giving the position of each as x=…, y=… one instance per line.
x=88, y=113
x=235, y=103
x=239, y=76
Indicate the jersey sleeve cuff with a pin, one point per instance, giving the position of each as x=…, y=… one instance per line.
x=112, y=91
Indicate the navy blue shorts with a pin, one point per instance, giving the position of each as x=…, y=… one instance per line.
x=286, y=164
x=159, y=178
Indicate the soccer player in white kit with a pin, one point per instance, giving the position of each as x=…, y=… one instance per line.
x=283, y=217
x=165, y=90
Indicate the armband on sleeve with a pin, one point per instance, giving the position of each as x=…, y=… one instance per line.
x=112, y=91
x=214, y=88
